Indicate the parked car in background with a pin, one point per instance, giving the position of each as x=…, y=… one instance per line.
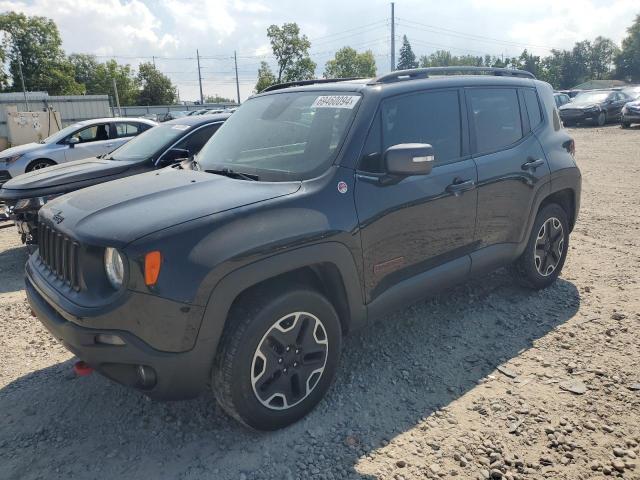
x=561, y=99
x=201, y=111
x=630, y=113
x=89, y=138
x=594, y=106
x=633, y=91
x=173, y=114
x=315, y=210
x=158, y=147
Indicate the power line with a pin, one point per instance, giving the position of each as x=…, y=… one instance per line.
x=435, y=29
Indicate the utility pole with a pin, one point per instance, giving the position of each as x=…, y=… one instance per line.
x=393, y=37
x=115, y=90
x=153, y=58
x=200, y=78
x=24, y=90
x=235, y=60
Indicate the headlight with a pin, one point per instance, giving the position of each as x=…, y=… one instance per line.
x=114, y=267
x=11, y=159
x=32, y=203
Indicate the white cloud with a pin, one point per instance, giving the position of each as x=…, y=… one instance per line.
x=176, y=28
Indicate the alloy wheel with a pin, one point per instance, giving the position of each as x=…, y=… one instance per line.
x=549, y=246
x=39, y=166
x=289, y=360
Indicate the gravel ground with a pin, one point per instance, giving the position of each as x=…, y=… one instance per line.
x=485, y=381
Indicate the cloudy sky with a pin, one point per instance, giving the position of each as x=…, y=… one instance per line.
x=171, y=30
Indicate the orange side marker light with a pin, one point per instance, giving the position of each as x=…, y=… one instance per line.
x=152, y=261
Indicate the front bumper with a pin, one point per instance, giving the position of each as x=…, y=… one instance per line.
x=176, y=375
x=579, y=117
x=630, y=117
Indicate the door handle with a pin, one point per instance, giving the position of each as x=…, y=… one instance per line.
x=532, y=164
x=458, y=186
x=109, y=145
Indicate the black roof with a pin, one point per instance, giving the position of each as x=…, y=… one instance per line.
x=197, y=120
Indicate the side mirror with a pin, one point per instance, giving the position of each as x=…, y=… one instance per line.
x=409, y=159
x=173, y=156
x=72, y=141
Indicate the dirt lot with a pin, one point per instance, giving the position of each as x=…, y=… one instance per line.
x=474, y=383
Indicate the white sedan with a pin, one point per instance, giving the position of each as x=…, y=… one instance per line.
x=89, y=138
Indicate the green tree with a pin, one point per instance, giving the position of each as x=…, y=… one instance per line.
x=628, y=60
x=291, y=50
x=266, y=78
x=444, y=58
x=217, y=99
x=35, y=42
x=97, y=77
x=407, y=57
x=347, y=62
x=156, y=88
x=603, y=54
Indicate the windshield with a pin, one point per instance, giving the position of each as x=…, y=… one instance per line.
x=633, y=92
x=593, y=97
x=285, y=136
x=59, y=135
x=148, y=143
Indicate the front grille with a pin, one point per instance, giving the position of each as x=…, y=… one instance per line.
x=5, y=176
x=59, y=254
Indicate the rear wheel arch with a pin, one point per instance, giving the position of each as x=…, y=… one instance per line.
x=565, y=198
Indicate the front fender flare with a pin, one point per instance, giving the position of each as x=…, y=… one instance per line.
x=234, y=283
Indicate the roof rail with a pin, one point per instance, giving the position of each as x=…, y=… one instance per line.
x=415, y=73
x=299, y=83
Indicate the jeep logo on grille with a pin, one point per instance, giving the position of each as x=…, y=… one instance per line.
x=58, y=218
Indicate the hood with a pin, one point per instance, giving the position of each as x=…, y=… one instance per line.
x=27, y=147
x=63, y=177
x=117, y=213
x=574, y=105
x=633, y=104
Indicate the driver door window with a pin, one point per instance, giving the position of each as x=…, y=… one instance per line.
x=94, y=133
x=92, y=141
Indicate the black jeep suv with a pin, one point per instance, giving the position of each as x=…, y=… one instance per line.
x=316, y=208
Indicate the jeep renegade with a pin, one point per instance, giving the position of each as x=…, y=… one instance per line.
x=316, y=208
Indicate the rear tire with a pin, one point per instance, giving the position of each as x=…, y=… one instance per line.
x=543, y=258
x=39, y=164
x=278, y=357
x=625, y=125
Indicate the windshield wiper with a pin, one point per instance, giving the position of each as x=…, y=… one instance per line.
x=227, y=172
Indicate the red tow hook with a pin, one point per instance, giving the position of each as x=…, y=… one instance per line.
x=82, y=369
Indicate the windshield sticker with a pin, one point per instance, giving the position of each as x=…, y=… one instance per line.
x=180, y=127
x=336, y=101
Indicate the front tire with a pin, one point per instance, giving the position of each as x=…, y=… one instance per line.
x=602, y=119
x=39, y=164
x=278, y=357
x=543, y=258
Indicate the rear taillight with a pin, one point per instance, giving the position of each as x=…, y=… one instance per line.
x=570, y=146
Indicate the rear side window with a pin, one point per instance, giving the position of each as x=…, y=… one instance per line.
x=533, y=107
x=495, y=118
x=426, y=117
x=128, y=129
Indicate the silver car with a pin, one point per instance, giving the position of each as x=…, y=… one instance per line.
x=89, y=138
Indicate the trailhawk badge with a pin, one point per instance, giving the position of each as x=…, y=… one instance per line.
x=342, y=187
x=58, y=218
